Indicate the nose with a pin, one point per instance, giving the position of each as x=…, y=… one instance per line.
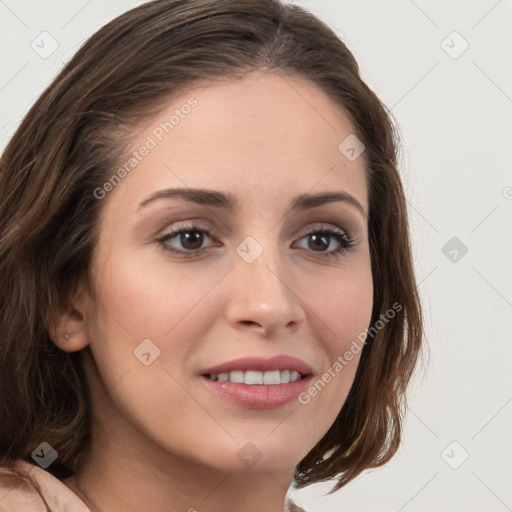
x=264, y=296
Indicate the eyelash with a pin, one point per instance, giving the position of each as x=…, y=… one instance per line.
x=342, y=237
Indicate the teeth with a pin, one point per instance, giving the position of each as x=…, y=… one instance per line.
x=254, y=378
x=294, y=376
x=237, y=377
x=272, y=377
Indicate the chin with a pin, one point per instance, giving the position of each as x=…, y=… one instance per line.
x=259, y=455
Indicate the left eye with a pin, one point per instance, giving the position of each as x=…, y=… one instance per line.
x=322, y=239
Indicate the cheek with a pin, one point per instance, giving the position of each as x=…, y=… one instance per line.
x=150, y=299
x=150, y=313
x=343, y=303
x=341, y=312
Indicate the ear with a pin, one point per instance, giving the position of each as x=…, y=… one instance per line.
x=68, y=322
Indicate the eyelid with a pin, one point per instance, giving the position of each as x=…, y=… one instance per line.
x=319, y=226
x=174, y=225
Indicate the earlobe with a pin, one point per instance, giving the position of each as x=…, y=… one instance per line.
x=67, y=325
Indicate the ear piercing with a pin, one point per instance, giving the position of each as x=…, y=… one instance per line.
x=66, y=336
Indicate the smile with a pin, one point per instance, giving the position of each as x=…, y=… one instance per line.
x=257, y=378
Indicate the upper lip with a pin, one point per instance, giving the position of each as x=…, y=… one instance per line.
x=280, y=362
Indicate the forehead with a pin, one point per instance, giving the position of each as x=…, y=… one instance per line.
x=266, y=131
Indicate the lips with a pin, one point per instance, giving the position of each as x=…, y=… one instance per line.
x=258, y=392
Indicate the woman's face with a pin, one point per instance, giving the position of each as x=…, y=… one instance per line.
x=253, y=274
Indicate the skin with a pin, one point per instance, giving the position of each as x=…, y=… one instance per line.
x=161, y=439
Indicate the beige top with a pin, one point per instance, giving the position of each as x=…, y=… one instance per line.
x=29, y=488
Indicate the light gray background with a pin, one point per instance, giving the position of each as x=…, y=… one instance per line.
x=454, y=111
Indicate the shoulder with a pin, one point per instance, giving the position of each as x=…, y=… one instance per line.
x=17, y=493
x=25, y=486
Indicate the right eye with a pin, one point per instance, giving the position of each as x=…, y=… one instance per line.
x=191, y=238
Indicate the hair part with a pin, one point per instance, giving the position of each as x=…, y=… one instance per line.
x=80, y=129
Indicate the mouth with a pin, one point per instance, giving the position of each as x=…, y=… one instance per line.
x=256, y=383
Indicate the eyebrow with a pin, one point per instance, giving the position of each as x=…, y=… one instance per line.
x=227, y=201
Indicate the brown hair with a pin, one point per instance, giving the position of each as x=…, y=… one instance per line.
x=78, y=131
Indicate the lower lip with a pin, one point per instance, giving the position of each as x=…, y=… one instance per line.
x=258, y=396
